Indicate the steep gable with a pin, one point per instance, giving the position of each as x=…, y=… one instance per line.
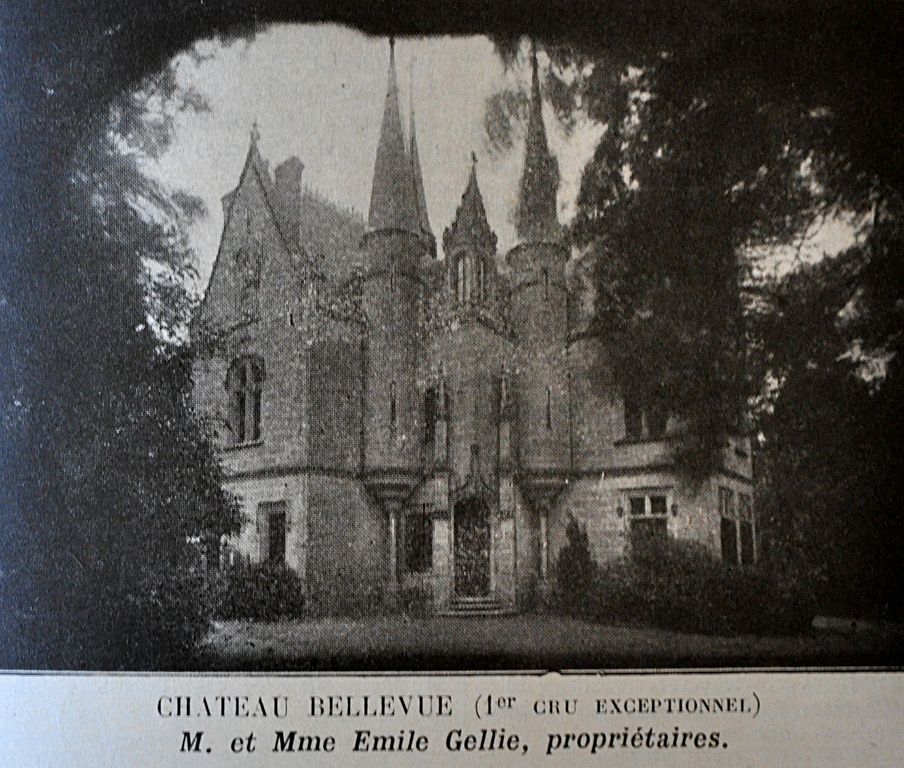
x=254, y=244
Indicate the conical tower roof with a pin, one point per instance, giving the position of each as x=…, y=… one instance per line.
x=393, y=202
x=535, y=215
x=470, y=225
x=420, y=197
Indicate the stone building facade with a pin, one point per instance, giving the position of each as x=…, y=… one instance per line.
x=393, y=420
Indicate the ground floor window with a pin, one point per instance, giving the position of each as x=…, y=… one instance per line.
x=745, y=521
x=737, y=531
x=648, y=522
x=729, y=534
x=728, y=526
x=418, y=535
x=273, y=516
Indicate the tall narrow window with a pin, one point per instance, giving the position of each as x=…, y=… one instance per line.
x=648, y=523
x=656, y=422
x=244, y=381
x=546, y=283
x=254, y=427
x=418, y=539
x=392, y=270
x=462, y=288
x=745, y=523
x=429, y=421
x=468, y=278
x=633, y=418
x=392, y=405
x=548, y=408
x=273, y=516
x=453, y=277
x=728, y=526
x=481, y=279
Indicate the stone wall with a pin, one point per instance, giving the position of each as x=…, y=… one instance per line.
x=692, y=510
x=472, y=357
x=347, y=543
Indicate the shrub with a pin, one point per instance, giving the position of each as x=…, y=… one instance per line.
x=681, y=586
x=259, y=592
x=576, y=570
x=416, y=601
x=357, y=600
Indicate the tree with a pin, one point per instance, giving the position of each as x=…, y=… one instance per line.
x=116, y=484
x=830, y=448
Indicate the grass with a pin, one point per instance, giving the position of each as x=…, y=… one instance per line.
x=528, y=641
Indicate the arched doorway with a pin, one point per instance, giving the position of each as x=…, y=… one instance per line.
x=472, y=548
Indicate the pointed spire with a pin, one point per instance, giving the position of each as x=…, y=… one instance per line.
x=420, y=197
x=392, y=201
x=254, y=153
x=470, y=225
x=535, y=216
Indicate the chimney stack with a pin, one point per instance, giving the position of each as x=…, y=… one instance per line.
x=288, y=189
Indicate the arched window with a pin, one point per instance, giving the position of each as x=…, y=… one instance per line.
x=392, y=405
x=392, y=271
x=243, y=382
x=548, y=408
x=481, y=279
x=462, y=280
x=546, y=283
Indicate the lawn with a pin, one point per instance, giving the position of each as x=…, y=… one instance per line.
x=528, y=641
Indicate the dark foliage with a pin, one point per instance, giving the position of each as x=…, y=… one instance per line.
x=832, y=445
x=259, y=592
x=357, y=600
x=110, y=485
x=416, y=601
x=682, y=587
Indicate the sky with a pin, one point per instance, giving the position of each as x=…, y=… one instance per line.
x=318, y=91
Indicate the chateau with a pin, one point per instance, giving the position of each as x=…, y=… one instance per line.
x=393, y=418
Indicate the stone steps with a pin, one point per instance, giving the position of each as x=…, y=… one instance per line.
x=478, y=607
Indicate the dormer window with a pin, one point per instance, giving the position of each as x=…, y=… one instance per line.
x=644, y=423
x=633, y=419
x=243, y=383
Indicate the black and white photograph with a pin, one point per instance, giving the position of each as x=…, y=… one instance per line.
x=432, y=338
